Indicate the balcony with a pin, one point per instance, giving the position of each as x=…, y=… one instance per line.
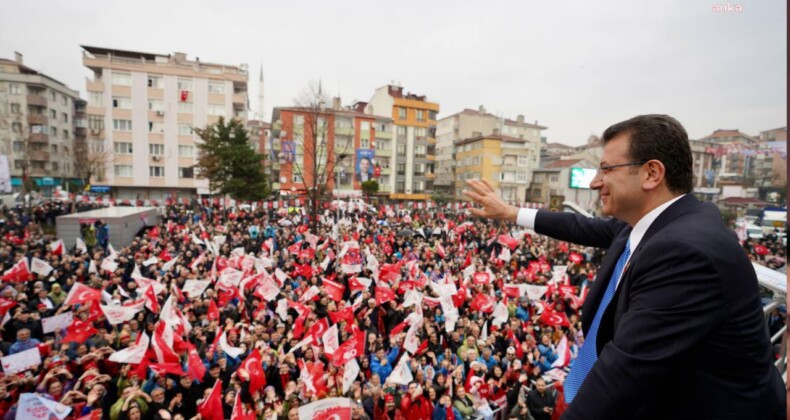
x=240, y=98
x=37, y=119
x=39, y=172
x=384, y=135
x=37, y=100
x=344, y=131
x=80, y=131
x=39, y=155
x=39, y=138
x=384, y=152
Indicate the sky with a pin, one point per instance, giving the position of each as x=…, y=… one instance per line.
x=573, y=66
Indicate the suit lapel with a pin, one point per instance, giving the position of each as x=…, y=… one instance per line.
x=602, y=279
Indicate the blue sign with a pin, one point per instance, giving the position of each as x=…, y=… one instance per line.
x=100, y=188
x=363, y=169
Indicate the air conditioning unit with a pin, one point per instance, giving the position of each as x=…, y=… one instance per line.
x=157, y=158
x=160, y=113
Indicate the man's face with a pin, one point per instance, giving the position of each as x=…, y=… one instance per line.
x=23, y=335
x=540, y=385
x=619, y=188
x=158, y=395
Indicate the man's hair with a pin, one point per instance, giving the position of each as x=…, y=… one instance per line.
x=662, y=138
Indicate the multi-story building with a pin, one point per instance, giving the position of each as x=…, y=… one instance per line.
x=555, y=179
x=142, y=108
x=335, y=147
x=504, y=161
x=412, y=147
x=733, y=156
x=37, y=126
x=471, y=123
x=771, y=159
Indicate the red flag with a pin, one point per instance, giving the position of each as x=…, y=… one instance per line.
x=563, y=247
x=355, y=285
x=761, y=250
x=516, y=344
x=239, y=412
x=57, y=247
x=467, y=260
x=197, y=370
x=20, y=272
x=150, y=299
x=318, y=329
x=554, y=319
x=253, y=365
x=81, y=293
x=481, y=278
x=508, y=241
x=346, y=314
x=327, y=409
x=5, y=305
x=384, y=295
x=483, y=303
x=211, y=407
x=575, y=258
x=213, y=313
x=346, y=352
x=79, y=331
x=334, y=290
x=163, y=348
x=165, y=368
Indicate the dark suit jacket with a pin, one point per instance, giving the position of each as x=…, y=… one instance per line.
x=684, y=335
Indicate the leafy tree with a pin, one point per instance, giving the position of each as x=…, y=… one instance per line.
x=440, y=198
x=226, y=159
x=370, y=187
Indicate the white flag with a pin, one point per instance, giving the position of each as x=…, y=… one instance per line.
x=118, y=314
x=327, y=408
x=35, y=407
x=113, y=255
x=350, y=373
x=500, y=314
x=152, y=260
x=22, y=361
x=195, y=288
x=168, y=265
x=330, y=340
x=535, y=292
x=310, y=293
x=402, y=373
x=92, y=267
x=227, y=348
x=109, y=265
x=136, y=272
x=40, y=266
x=133, y=354
x=81, y=246
x=282, y=309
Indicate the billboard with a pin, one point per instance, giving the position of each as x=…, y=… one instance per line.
x=363, y=166
x=582, y=177
x=5, y=175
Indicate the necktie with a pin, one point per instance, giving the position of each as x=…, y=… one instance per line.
x=588, y=354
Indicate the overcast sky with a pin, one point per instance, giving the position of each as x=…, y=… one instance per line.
x=574, y=66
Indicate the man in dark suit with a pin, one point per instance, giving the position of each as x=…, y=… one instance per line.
x=673, y=323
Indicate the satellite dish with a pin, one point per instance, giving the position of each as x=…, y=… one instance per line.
x=283, y=179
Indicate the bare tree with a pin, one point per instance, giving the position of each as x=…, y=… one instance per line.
x=93, y=162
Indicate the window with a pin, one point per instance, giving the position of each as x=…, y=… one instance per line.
x=96, y=147
x=95, y=122
x=419, y=133
x=185, y=107
x=35, y=129
x=419, y=169
x=401, y=131
x=65, y=117
x=155, y=127
x=15, y=108
x=184, y=84
x=400, y=187
x=53, y=131
x=296, y=178
x=55, y=166
x=15, y=89
x=402, y=113
x=417, y=186
x=538, y=178
x=432, y=115
x=52, y=95
x=186, y=150
x=155, y=82
x=382, y=127
x=521, y=177
x=419, y=150
x=124, y=170
x=64, y=100
x=401, y=169
x=122, y=125
x=19, y=147
x=184, y=130
x=95, y=98
x=121, y=102
x=156, y=171
x=121, y=79
x=401, y=150
x=54, y=149
x=17, y=127
x=53, y=114
x=383, y=145
x=554, y=178
x=475, y=160
x=523, y=160
x=19, y=164
x=216, y=87
x=65, y=134
x=185, y=172
x=214, y=109
x=420, y=115
x=123, y=148
x=155, y=149
x=156, y=105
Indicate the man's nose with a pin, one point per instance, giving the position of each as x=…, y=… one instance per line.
x=596, y=182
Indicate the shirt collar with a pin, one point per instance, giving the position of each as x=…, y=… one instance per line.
x=644, y=223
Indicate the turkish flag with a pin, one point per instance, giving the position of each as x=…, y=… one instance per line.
x=81, y=293
x=508, y=241
x=563, y=247
x=79, y=331
x=165, y=368
x=761, y=250
x=346, y=352
x=150, y=299
x=295, y=248
x=213, y=313
x=553, y=318
x=512, y=290
x=481, y=278
x=197, y=370
x=327, y=409
x=240, y=412
x=389, y=272
x=184, y=95
x=318, y=329
x=483, y=303
x=516, y=344
x=253, y=365
x=20, y=272
x=346, y=314
x=575, y=258
x=57, y=247
x=357, y=285
x=211, y=407
x=5, y=305
x=384, y=295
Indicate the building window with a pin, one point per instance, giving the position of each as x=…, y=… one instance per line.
x=95, y=98
x=184, y=130
x=384, y=162
x=538, y=178
x=420, y=115
x=419, y=150
x=401, y=150
x=124, y=170
x=53, y=131
x=65, y=117
x=95, y=122
x=185, y=172
x=155, y=149
x=17, y=127
x=401, y=131
x=184, y=84
x=554, y=178
x=54, y=149
x=400, y=187
x=419, y=169
x=185, y=107
x=53, y=115
x=121, y=102
x=64, y=100
x=383, y=145
x=186, y=150
x=417, y=186
x=156, y=105
x=65, y=134
x=216, y=87
x=121, y=79
x=156, y=171
x=155, y=82
x=521, y=177
x=523, y=160
x=155, y=127
x=19, y=147
x=52, y=95
x=122, y=125
x=401, y=113
x=432, y=115
x=296, y=178
x=123, y=148
x=15, y=109
x=15, y=89
x=401, y=169
x=218, y=110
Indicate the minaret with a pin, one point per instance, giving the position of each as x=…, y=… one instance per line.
x=261, y=111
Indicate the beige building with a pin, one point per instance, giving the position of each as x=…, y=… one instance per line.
x=142, y=108
x=38, y=128
x=471, y=123
x=555, y=179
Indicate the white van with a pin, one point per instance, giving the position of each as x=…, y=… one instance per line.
x=754, y=231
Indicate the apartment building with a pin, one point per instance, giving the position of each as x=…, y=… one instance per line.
x=733, y=156
x=412, y=148
x=471, y=123
x=333, y=147
x=503, y=160
x=39, y=130
x=142, y=108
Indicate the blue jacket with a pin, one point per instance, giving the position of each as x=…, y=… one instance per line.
x=384, y=370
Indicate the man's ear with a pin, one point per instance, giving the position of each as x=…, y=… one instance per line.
x=653, y=174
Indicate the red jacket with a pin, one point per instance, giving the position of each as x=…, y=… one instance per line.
x=419, y=409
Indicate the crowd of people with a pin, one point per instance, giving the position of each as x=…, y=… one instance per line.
x=219, y=313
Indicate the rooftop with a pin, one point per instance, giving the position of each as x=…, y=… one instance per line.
x=562, y=163
x=500, y=137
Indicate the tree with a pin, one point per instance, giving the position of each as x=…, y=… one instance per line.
x=440, y=198
x=370, y=187
x=226, y=159
x=93, y=164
